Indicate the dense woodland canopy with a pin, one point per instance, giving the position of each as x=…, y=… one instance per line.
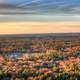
x=39, y=59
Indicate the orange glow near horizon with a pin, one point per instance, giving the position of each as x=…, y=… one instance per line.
x=38, y=27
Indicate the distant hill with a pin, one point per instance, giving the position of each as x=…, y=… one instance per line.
x=48, y=35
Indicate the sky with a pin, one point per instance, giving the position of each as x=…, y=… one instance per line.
x=42, y=8
x=39, y=16
x=39, y=27
x=39, y=10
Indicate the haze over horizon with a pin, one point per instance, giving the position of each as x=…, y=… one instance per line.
x=38, y=27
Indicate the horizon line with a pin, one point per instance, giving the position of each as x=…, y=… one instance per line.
x=42, y=33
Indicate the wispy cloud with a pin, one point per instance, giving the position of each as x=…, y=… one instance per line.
x=27, y=3
x=44, y=6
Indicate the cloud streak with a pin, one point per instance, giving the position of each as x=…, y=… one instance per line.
x=44, y=6
x=27, y=3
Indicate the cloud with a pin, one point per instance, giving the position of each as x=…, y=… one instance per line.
x=30, y=2
x=40, y=7
x=2, y=1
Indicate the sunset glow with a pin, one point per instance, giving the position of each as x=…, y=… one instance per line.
x=38, y=27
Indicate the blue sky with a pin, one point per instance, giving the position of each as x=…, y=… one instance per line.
x=67, y=1
x=40, y=9
x=62, y=6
